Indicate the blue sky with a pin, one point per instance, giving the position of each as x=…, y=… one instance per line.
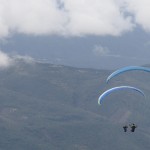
x=82, y=33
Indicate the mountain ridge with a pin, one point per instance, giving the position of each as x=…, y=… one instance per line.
x=46, y=107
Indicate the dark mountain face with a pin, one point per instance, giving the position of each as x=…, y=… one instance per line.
x=44, y=106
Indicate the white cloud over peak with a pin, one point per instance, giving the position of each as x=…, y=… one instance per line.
x=5, y=60
x=72, y=17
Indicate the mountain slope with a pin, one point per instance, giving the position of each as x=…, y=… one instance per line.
x=43, y=106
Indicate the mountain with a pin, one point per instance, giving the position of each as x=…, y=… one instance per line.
x=46, y=106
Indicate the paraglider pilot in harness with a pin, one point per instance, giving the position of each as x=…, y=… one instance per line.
x=132, y=126
x=125, y=128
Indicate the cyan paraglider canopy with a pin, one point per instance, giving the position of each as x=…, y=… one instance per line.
x=103, y=95
x=125, y=69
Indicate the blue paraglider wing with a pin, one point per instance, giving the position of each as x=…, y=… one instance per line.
x=129, y=68
x=102, y=96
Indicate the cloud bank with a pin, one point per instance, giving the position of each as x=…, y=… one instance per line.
x=7, y=61
x=73, y=17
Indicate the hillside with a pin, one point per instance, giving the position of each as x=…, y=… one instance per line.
x=45, y=106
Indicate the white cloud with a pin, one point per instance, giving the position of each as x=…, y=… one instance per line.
x=103, y=51
x=31, y=16
x=97, y=17
x=140, y=10
x=100, y=51
x=5, y=60
x=72, y=17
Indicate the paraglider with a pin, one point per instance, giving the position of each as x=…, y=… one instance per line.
x=111, y=90
x=132, y=126
x=102, y=96
x=125, y=69
x=125, y=127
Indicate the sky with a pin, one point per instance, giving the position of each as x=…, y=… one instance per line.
x=80, y=33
